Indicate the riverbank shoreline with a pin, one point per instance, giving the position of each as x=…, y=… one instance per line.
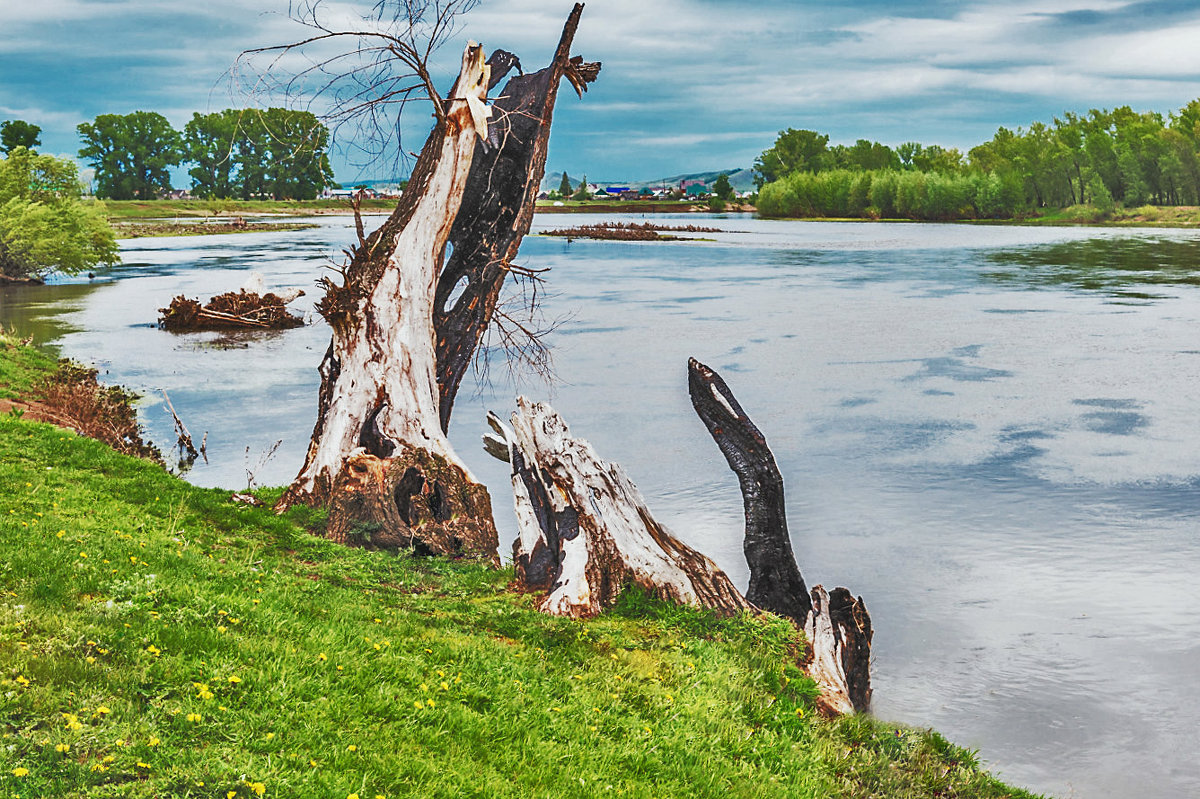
x=139, y=219
x=185, y=639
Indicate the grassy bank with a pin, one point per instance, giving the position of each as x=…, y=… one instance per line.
x=218, y=209
x=158, y=640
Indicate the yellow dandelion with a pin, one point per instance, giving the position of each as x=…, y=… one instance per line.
x=22, y=679
x=339, y=668
x=377, y=647
x=83, y=554
x=220, y=628
x=153, y=741
x=20, y=771
x=418, y=705
x=99, y=767
x=140, y=764
x=102, y=711
x=312, y=763
x=258, y=788
x=153, y=650
x=234, y=679
x=321, y=657
x=270, y=735
x=62, y=748
x=90, y=659
x=352, y=796
x=193, y=717
x=430, y=702
x=445, y=685
x=230, y=794
x=351, y=748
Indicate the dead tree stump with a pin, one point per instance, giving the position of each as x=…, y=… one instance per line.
x=585, y=532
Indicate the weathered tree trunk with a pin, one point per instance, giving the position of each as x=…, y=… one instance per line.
x=498, y=207
x=585, y=532
x=836, y=624
x=379, y=394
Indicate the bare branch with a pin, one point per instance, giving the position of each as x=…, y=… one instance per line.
x=357, y=75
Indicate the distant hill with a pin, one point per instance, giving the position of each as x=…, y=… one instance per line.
x=741, y=179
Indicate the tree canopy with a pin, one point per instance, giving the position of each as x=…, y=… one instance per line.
x=1100, y=158
x=16, y=133
x=44, y=224
x=131, y=153
x=248, y=153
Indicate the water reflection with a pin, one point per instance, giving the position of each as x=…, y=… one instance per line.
x=1116, y=266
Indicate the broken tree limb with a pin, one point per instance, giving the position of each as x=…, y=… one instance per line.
x=497, y=211
x=775, y=581
x=379, y=392
x=836, y=624
x=585, y=531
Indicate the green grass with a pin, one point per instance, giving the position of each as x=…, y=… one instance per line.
x=159, y=209
x=20, y=367
x=157, y=640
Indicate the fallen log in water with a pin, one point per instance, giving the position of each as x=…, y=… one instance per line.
x=230, y=311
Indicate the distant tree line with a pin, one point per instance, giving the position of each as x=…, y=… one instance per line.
x=1102, y=159
x=236, y=153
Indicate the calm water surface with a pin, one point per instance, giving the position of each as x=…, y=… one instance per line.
x=988, y=432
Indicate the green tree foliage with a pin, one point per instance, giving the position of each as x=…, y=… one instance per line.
x=582, y=192
x=131, y=153
x=564, y=188
x=1100, y=158
x=44, y=223
x=210, y=141
x=723, y=189
x=793, y=151
x=16, y=133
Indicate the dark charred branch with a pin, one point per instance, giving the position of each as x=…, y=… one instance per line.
x=775, y=581
x=836, y=624
x=498, y=206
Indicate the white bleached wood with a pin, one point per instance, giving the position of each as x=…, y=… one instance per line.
x=585, y=530
x=384, y=364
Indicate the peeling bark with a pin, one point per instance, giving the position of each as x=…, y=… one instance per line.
x=836, y=624
x=585, y=531
x=498, y=206
x=379, y=392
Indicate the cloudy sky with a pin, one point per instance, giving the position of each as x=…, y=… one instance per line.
x=687, y=85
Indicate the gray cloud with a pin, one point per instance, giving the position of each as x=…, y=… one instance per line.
x=687, y=85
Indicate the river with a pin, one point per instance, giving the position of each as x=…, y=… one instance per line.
x=989, y=432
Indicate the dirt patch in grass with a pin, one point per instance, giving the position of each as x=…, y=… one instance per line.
x=72, y=397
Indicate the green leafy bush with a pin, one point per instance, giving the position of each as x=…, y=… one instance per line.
x=45, y=225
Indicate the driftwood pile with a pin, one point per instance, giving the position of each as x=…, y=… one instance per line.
x=629, y=231
x=233, y=310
